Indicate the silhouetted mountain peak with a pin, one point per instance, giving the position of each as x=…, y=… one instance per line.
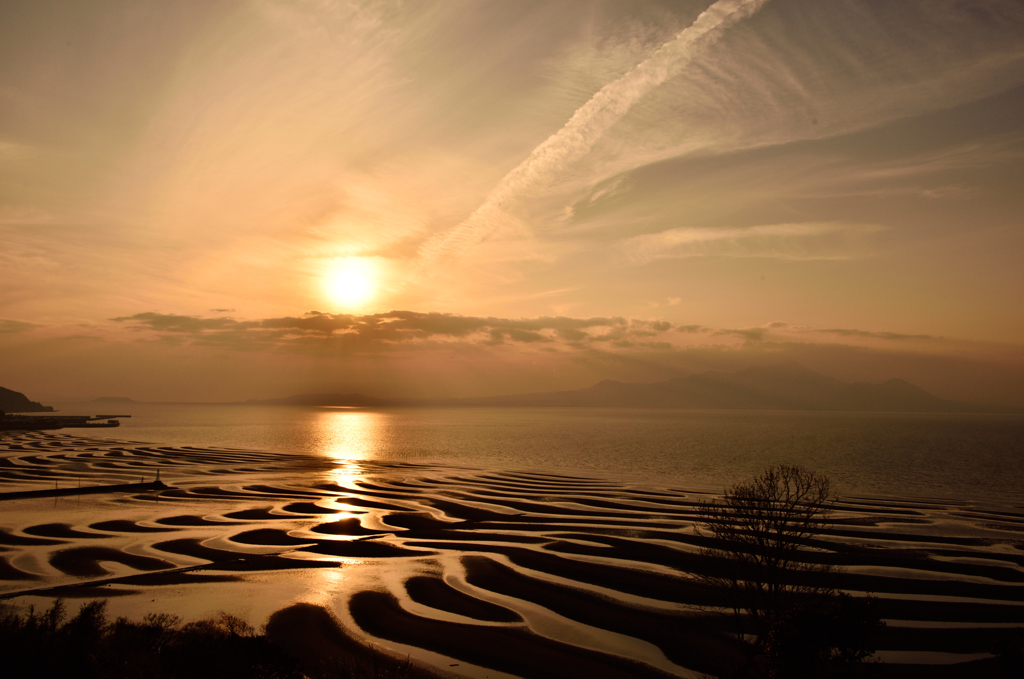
x=782, y=369
x=16, y=402
x=782, y=372
x=608, y=384
x=897, y=383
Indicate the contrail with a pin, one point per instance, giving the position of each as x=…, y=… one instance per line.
x=589, y=123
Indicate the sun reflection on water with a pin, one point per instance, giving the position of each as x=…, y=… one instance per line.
x=349, y=437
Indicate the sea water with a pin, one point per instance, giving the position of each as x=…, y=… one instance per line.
x=965, y=457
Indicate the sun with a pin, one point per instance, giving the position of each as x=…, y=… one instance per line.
x=351, y=282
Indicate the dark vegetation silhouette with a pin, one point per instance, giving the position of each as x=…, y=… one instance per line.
x=49, y=644
x=765, y=562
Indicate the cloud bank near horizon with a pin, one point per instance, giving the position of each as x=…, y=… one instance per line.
x=404, y=329
x=164, y=356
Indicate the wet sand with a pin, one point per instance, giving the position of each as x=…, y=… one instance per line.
x=471, y=572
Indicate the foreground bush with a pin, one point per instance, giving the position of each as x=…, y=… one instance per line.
x=48, y=644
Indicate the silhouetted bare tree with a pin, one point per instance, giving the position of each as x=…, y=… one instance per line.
x=758, y=531
x=760, y=555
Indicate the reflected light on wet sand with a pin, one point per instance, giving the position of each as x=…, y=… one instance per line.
x=348, y=436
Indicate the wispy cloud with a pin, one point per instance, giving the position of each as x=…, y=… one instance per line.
x=747, y=334
x=931, y=174
x=783, y=331
x=850, y=332
x=25, y=216
x=10, y=327
x=813, y=240
x=592, y=120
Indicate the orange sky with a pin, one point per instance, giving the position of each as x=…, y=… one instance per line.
x=545, y=193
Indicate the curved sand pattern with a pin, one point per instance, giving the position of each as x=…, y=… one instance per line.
x=524, y=573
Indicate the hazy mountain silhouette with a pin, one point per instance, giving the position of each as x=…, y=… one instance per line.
x=16, y=402
x=785, y=386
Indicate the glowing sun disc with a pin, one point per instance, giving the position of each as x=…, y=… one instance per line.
x=351, y=282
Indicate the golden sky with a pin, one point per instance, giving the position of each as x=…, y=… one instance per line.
x=480, y=197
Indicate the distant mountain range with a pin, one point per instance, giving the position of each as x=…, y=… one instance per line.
x=17, y=402
x=785, y=386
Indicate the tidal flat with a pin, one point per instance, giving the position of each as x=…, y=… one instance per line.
x=477, y=572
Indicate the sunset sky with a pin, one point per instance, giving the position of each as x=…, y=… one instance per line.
x=220, y=200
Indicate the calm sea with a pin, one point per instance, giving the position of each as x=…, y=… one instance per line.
x=976, y=457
